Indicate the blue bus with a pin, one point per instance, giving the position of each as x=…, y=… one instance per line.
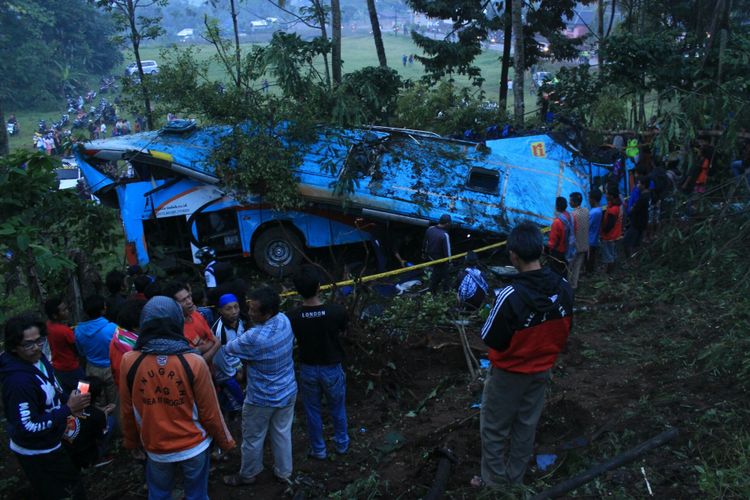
x=168, y=194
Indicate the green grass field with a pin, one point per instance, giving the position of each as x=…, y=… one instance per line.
x=357, y=52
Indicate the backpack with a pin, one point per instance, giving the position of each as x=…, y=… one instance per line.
x=632, y=148
x=570, y=236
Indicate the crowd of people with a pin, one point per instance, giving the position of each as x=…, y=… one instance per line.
x=165, y=366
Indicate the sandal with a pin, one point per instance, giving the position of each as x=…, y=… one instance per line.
x=477, y=482
x=238, y=480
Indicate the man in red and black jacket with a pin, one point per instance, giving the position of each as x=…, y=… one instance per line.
x=525, y=331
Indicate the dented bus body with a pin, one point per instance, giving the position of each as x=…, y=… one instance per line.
x=169, y=196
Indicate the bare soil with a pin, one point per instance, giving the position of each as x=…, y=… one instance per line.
x=617, y=385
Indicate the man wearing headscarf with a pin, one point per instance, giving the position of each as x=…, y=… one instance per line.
x=169, y=404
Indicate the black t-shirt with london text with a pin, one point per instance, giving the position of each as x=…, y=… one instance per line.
x=317, y=330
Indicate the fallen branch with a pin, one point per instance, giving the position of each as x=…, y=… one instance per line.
x=471, y=360
x=621, y=459
x=447, y=459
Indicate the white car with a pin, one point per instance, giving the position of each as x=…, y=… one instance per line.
x=68, y=176
x=149, y=68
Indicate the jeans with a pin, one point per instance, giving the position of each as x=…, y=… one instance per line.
x=257, y=421
x=231, y=395
x=439, y=281
x=109, y=392
x=632, y=240
x=575, y=268
x=608, y=252
x=591, y=259
x=160, y=477
x=53, y=475
x=317, y=381
x=511, y=406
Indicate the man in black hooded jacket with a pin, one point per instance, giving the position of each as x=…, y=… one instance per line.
x=525, y=331
x=37, y=413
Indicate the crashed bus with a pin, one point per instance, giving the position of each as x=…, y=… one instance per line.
x=168, y=194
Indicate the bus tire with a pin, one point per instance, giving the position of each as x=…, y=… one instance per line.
x=277, y=251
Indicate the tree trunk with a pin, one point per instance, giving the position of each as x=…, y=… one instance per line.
x=324, y=35
x=600, y=28
x=237, y=53
x=4, y=139
x=135, y=39
x=144, y=88
x=336, y=37
x=507, y=38
x=376, y=34
x=518, y=63
x=611, y=20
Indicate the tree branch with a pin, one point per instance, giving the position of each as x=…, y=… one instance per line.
x=296, y=16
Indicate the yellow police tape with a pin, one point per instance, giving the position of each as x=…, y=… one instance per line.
x=395, y=272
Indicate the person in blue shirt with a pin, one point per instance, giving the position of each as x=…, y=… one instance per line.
x=271, y=390
x=595, y=222
x=92, y=339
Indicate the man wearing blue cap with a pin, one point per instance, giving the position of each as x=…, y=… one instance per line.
x=228, y=368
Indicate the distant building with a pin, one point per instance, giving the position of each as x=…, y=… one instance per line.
x=186, y=34
x=582, y=23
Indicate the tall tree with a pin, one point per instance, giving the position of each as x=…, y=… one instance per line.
x=376, y=34
x=237, y=52
x=4, y=147
x=315, y=17
x=518, y=62
x=473, y=20
x=336, y=39
x=505, y=64
x=130, y=19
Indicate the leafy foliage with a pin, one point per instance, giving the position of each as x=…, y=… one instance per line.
x=445, y=109
x=71, y=39
x=268, y=131
x=41, y=226
x=368, y=95
x=410, y=315
x=474, y=20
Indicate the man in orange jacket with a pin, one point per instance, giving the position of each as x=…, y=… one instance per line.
x=557, y=245
x=169, y=404
x=611, y=230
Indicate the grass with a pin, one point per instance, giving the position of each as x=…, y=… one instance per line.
x=357, y=52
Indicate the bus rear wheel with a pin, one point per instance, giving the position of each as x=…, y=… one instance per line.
x=277, y=251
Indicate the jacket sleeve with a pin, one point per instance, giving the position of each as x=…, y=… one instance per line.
x=209, y=412
x=130, y=436
x=24, y=403
x=497, y=331
x=555, y=234
x=241, y=347
x=446, y=244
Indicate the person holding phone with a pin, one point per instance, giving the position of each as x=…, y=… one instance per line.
x=86, y=436
x=37, y=411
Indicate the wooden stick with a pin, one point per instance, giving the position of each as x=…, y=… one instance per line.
x=621, y=459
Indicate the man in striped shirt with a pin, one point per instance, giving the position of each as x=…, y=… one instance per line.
x=271, y=391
